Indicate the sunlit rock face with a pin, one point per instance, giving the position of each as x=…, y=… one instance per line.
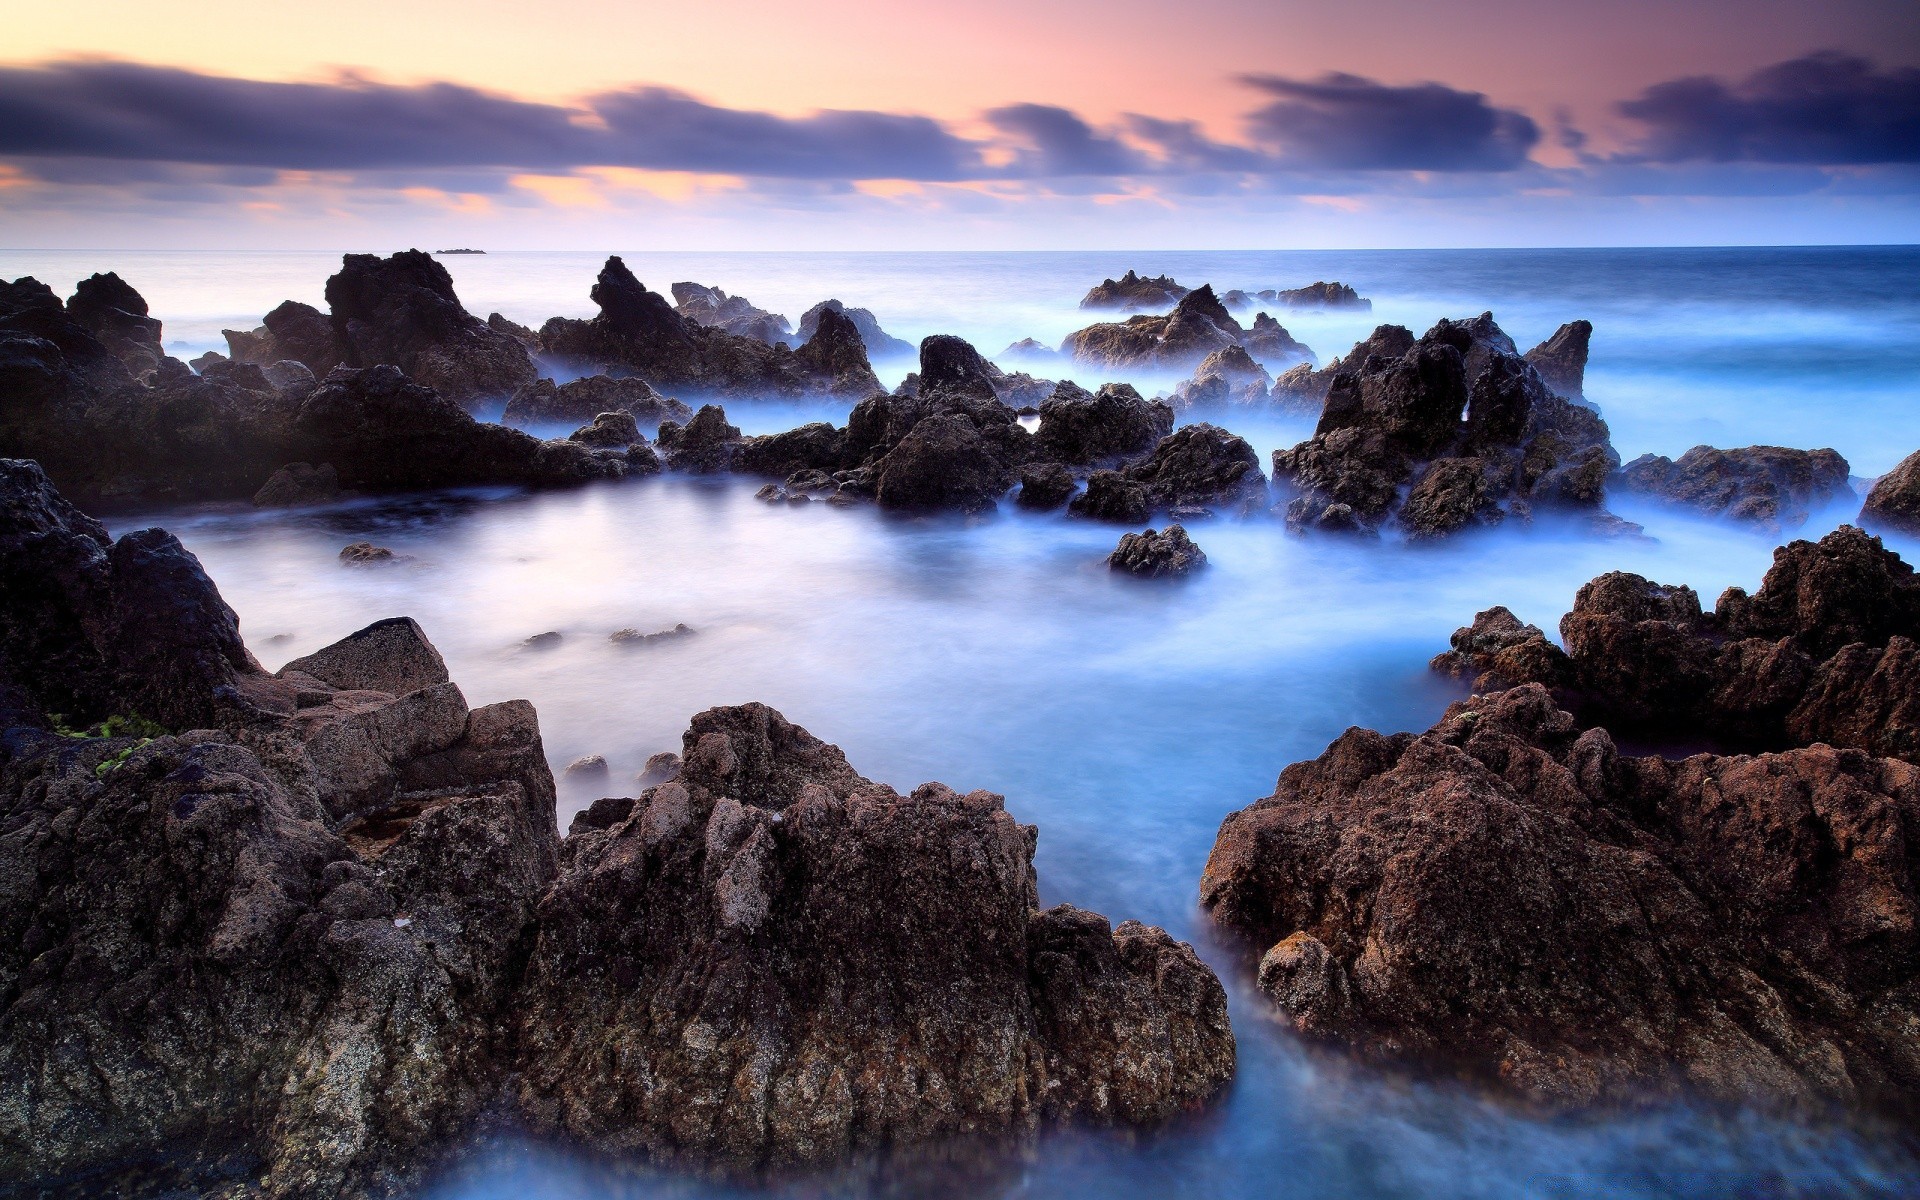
x=1512, y=899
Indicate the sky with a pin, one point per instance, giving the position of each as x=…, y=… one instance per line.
x=851, y=124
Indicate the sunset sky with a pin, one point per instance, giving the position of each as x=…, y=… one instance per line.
x=854, y=124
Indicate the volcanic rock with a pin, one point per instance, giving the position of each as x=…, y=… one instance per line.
x=1770, y=486
x=1228, y=376
x=299, y=484
x=1321, y=295
x=1197, y=326
x=1894, y=502
x=1561, y=360
x=545, y=402
x=706, y=445
x=1111, y=496
x=837, y=356
x=1044, y=486
x=735, y=314
x=116, y=314
x=877, y=340
x=402, y=311
x=608, y=429
x=1155, y=554
x=293, y=331
x=1132, y=291
x=1268, y=340
x=1201, y=464
x=1078, y=427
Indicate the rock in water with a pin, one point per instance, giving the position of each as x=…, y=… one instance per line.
x=703, y=932
x=1562, y=359
x=1133, y=291
x=402, y=310
x=545, y=402
x=1770, y=486
x=1155, y=554
x=298, y=484
x=1894, y=501
x=735, y=314
x=1323, y=295
x=1198, y=325
x=877, y=340
x=116, y=314
x=1078, y=427
x=1044, y=486
x=309, y=943
x=1513, y=900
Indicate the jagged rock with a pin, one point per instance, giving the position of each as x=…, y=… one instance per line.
x=745, y=890
x=1197, y=326
x=1111, y=496
x=1321, y=295
x=633, y=637
x=1155, y=553
x=1305, y=387
x=1028, y=352
x=1269, y=341
x=299, y=484
x=1228, y=376
x=289, y=376
x=1561, y=360
x=402, y=311
x=638, y=331
x=1044, y=486
x=1824, y=651
x=545, y=402
x=706, y=445
x=735, y=314
x=877, y=340
x=944, y=463
x=1132, y=291
x=1770, y=486
x=836, y=354
x=1079, y=427
x=513, y=329
x=1894, y=501
x=1392, y=442
x=360, y=554
x=116, y=314
x=1201, y=464
x=608, y=429
x=297, y=332
x=660, y=768
x=1512, y=900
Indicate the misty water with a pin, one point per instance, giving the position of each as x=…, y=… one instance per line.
x=1124, y=719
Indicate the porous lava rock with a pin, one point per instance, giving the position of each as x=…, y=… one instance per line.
x=109, y=308
x=877, y=340
x=1134, y=291
x=1770, y=486
x=1081, y=427
x=1157, y=553
x=735, y=314
x=1514, y=901
x=1561, y=360
x=402, y=311
x=1893, y=503
x=544, y=402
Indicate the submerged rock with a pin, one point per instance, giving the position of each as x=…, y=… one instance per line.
x=1513, y=900
x=1824, y=651
x=1770, y=486
x=1044, y=486
x=402, y=311
x=706, y=445
x=1227, y=377
x=609, y=429
x=1894, y=501
x=1132, y=291
x=360, y=554
x=1155, y=553
x=1111, y=496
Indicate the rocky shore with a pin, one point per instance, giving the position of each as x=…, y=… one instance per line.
x=301, y=933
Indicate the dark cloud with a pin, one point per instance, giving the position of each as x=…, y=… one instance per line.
x=1182, y=147
x=1058, y=143
x=1347, y=122
x=130, y=111
x=1825, y=109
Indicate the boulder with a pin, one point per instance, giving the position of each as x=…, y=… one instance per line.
x=117, y=315
x=735, y=314
x=1561, y=360
x=1156, y=554
x=1198, y=325
x=877, y=340
x=837, y=356
x=1044, y=487
x=609, y=429
x=1080, y=428
x=402, y=311
x=1824, y=651
x=1201, y=464
x=723, y=927
x=513, y=329
x=1455, y=431
x=1305, y=387
x=1894, y=501
x=1133, y=291
x=1227, y=377
x=1031, y=353
x=1322, y=294
x=1111, y=496
x=291, y=332
x=1770, y=486
x=1510, y=900
x=544, y=402
x=706, y=445
x=1268, y=340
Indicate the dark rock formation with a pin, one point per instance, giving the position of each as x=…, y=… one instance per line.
x=1044, y=486
x=364, y=554
x=293, y=331
x=113, y=312
x=1561, y=360
x=1201, y=464
x=637, y=331
x=1227, y=377
x=1111, y=496
x=402, y=311
x=877, y=340
x=1156, y=553
x=1770, y=486
x=836, y=357
x=723, y=927
x=545, y=402
x=1321, y=295
x=1894, y=501
x=1268, y=340
x=308, y=945
x=609, y=429
x=1458, y=424
x=1512, y=899
x=1824, y=651
x=705, y=446
x=1132, y=291
x=1305, y=387
x=1079, y=427
x=735, y=314
x=299, y=484
x=1197, y=326
x=513, y=329
x=1030, y=353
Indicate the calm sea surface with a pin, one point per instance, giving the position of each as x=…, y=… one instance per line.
x=1124, y=720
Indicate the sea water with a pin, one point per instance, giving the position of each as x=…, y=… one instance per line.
x=1124, y=718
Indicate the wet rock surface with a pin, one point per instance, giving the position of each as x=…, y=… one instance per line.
x=293, y=331
x=1824, y=651
x=1080, y=427
x=1561, y=360
x=735, y=314
x=1456, y=431
x=545, y=402
x=117, y=315
x=1157, y=553
x=1770, y=486
x=1324, y=294
x=1198, y=326
x=318, y=939
x=1134, y=291
x=1894, y=501
x=402, y=311
x=877, y=340
x=1229, y=377
x=1514, y=900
